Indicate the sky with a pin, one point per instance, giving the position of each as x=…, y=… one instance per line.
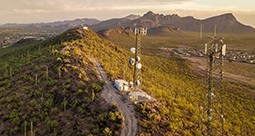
x=34, y=11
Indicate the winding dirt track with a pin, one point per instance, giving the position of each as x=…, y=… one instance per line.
x=129, y=125
x=201, y=63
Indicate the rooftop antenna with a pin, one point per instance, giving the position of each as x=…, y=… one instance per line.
x=215, y=51
x=137, y=60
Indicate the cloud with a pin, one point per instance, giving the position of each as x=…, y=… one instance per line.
x=62, y=4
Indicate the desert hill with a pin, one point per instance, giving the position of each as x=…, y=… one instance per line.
x=54, y=85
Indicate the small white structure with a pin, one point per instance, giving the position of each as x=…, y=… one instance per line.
x=139, y=95
x=224, y=48
x=121, y=85
x=85, y=28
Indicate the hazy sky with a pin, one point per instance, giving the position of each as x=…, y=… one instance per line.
x=24, y=11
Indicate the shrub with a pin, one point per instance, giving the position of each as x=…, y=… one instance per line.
x=107, y=132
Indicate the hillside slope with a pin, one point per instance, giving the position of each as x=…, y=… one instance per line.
x=112, y=23
x=55, y=86
x=180, y=92
x=53, y=89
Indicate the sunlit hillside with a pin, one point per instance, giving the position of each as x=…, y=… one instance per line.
x=53, y=86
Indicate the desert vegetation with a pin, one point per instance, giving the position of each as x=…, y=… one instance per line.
x=52, y=88
x=46, y=91
x=180, y=89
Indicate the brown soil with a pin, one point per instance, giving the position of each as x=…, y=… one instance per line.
x=201, y=63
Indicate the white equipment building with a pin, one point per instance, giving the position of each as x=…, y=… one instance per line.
x=121, y=85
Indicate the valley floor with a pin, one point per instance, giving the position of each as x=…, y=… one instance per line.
x=201, y=63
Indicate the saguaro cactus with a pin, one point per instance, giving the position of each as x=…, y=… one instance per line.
x=36, y=79
x=47, y=73
x=25, y=128
x=93, y=95
x=31, y=126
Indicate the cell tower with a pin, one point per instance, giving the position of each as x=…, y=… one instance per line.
x=83, y=26
x=215, y=51
x=136, y=61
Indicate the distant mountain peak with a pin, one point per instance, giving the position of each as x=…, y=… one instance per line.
x=149, y=14
x=227, y=17
x=228, y=14
x=132, y=17
x=175, y=15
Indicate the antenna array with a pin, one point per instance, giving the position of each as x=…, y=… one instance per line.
x=136, y=61
x=215, y=51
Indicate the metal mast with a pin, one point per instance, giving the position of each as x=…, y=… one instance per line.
x=137, y=69
x=137, y=60
x=215, y=50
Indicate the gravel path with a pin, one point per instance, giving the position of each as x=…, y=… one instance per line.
x=129, y=125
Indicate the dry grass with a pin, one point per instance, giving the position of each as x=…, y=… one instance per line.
x=244, y=69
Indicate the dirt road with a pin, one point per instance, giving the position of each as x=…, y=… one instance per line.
x=110, y=95
x=201, y=63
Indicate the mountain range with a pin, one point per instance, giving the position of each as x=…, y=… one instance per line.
x=226, y=23
x=59, y=26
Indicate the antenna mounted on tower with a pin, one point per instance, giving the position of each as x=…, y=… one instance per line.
x=136, y=61
x=215, y=51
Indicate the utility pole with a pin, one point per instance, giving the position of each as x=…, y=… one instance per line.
x=215, y=30
x=215, y=51
x=136, y=61
x=201, y=31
